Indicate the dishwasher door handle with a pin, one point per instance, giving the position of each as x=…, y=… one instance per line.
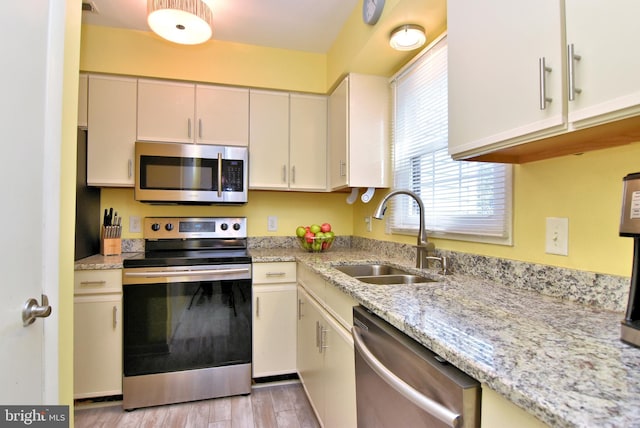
x=430, y=406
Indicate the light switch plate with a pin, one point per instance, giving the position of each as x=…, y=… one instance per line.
x=557, y=236
x=135, y=225
x=272, y=223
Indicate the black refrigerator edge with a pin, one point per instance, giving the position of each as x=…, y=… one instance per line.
x=87, y=206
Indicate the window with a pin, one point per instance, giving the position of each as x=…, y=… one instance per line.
x=463, y=200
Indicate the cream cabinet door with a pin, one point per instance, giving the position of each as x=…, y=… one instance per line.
x=269, y=140
x=308, y=142
x=97, y=345
x=338, y=135
x=274, y=329
x=166, y=111
x=359, y=151
x=310, y=358
x=111, y=124
x=495, y=50
x=340, y=377
x=607, y=72
x=222, y=115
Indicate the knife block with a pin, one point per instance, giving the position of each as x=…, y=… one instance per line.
x=110, y=246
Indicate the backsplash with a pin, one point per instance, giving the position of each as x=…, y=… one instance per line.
x=608, y=292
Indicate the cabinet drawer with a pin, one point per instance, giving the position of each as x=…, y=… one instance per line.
x=271, y=273
x=97, y=281
x=312, y=282
x=341, y=304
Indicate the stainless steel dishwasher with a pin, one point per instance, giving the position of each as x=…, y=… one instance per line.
x=400, y=383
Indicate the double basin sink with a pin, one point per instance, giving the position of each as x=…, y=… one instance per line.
x=381, y=274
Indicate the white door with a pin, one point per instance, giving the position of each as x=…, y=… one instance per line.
x=30, y=120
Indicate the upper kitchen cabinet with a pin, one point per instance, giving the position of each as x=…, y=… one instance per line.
x=605, y=68
x=111, y=121
x=534, y=81
x=288, y=141
x=359, y=133
x=83, y=98
x=166, y=111
x=192, y=113
x=505, y=73
x=222, y=115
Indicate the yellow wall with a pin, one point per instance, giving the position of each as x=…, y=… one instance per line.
x=586, y=189
x=293, y=209
x=67, y=203
x=139, y=53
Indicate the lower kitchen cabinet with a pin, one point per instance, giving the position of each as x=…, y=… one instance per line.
x=497, y=411
x=326, y=363
x=97, y=333
x=274, y=319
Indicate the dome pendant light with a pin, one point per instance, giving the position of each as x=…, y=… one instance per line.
x=407, y=37
x=187, y=22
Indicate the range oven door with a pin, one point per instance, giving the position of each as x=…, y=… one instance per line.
x=186, y=318
x=191, y=173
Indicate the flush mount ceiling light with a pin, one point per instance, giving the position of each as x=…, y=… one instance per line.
x=407, y=37
x=187, y=22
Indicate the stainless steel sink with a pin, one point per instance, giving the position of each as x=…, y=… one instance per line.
x=380, y=274
x=370, y=270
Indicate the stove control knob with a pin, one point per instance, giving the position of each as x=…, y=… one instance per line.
x=155, y=227
x=168, y=227
x=224, y=226
x=236, y=226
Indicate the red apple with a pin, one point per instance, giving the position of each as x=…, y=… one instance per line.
x=325, y=227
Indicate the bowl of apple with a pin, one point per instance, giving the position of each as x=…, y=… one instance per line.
x=315, y=238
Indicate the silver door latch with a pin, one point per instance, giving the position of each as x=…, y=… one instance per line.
x=31, y=310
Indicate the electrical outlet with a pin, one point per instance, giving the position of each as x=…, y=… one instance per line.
x=134, y=224
x=368, y=222
x=557, y=236
x=272, y=223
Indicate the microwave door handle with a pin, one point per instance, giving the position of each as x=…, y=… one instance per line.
x=448, y=417
x=219, y=175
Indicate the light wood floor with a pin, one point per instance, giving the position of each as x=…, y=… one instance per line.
x=276, y=406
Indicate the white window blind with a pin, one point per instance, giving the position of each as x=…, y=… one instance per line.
x=463, y=200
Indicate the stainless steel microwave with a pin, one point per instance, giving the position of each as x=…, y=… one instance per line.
x=180, y=173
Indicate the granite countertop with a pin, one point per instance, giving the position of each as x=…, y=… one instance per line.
x=559, y=360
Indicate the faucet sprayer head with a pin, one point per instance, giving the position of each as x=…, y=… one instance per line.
x=379, y=213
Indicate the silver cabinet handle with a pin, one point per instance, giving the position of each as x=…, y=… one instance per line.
x=293, y=174
x=270, y=274
x=130, y=168
x=572, y=57
x=543, y=70
x=343, y=168
x=284, y=173
x=31, y=310
x=115, y=317
x=200, y=129
x=88, y=283
x=437, y=410
x=300, y=303
x=318, y=336
x=323, y=339
x=258, y=307
x=189, y=128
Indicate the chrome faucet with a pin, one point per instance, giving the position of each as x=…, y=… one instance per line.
x=423, y=247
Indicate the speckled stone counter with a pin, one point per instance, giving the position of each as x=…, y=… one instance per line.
x=560, y=360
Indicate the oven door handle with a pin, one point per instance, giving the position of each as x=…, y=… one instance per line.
x=166, y=274
x=451, y=419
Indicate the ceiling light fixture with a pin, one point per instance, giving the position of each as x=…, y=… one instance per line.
x=407, y=37
x=187, y=22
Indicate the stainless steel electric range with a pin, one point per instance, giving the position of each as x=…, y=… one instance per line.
x=187, y=312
